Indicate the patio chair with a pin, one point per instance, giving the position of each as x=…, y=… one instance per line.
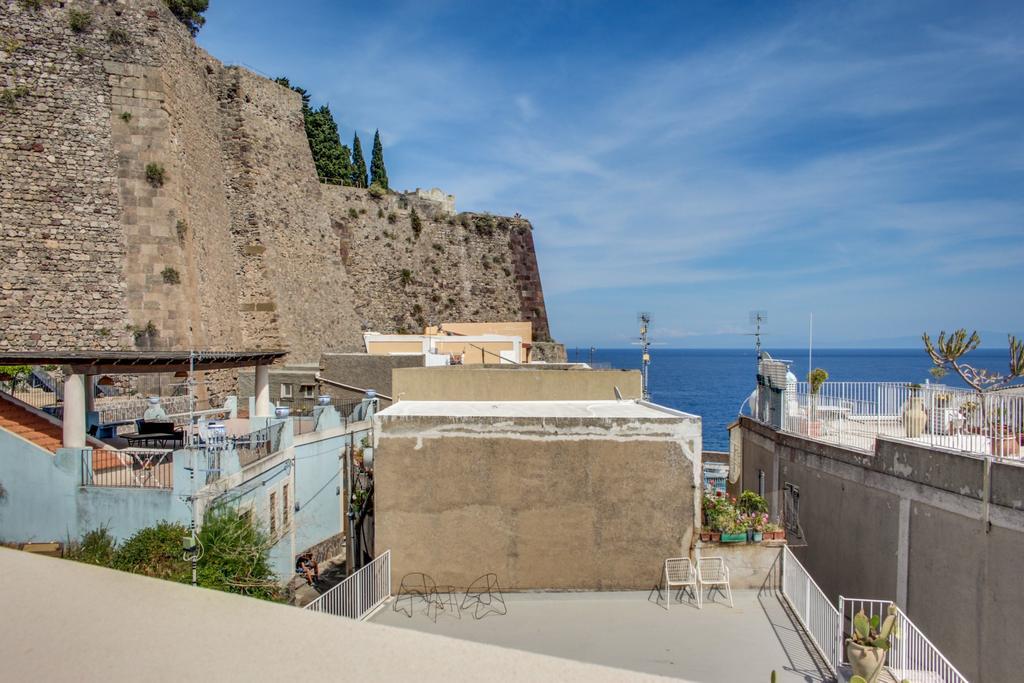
x=679, y=571
x=711, y=571
x=417, y=586
x=485, y=594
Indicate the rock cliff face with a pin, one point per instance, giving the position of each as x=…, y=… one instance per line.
x=150, y=195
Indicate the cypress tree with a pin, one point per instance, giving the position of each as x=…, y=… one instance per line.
x=330, y=157
x=358, y=164
x=378, y=174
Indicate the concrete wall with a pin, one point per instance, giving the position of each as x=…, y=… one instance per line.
x=513, y=383
x=909, y=524
x=547, y=503
x=752, y=566
x=364, y=371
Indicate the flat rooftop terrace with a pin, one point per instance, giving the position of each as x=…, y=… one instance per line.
x=534, y=409
x=631, y=630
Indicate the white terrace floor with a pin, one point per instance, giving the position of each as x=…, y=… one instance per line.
x=630, y=630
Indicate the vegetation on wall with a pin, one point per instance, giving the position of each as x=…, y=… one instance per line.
x=170, y=276
x=155, y=174
x=10, y=96
x=189, y=12
x=79, y=20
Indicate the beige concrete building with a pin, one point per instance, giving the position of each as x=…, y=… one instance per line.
x=514, y=383
x=546, y=494
x=516, y=328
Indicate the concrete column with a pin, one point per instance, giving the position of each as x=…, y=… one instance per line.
x=263, y=391
x=74, y=411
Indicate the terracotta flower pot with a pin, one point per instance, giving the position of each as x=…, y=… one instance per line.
x=716, y=536
x=865, y=661
x=1004, y=446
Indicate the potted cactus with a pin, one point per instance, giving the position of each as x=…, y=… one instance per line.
x=869, y=642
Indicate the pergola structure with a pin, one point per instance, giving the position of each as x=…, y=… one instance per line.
x=81, y=366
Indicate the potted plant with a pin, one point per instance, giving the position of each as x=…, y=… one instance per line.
x=914, y=417
x=774, y=532
x=759, y=524
x=721, y=518
x=816, y=378
x=869, y=642
x=705, y=534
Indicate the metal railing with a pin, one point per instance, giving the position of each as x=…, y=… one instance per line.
x=818, y=616
x=255, y=446
x=855, y=414
x=36, y=393
x=145, y=468
x=361, y=593
x=134, y=408
x=912, y=656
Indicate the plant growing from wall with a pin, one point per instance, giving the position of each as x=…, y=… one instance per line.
x=9, y=96
x=405, y=277
x=31, y=4
x=118, y=36
x=380, y=212
x=181, y=227
x=9, y=45
x=392, y=217
x=155, y=174
x=189, y=13
x=143, y=335
x=79, y=20
x=352, y=213
x=415, y=222
x=170, y=276
x=126, y=116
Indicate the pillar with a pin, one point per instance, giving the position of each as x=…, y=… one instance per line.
x=263, y=391
x=74, y=411
x=90, y=393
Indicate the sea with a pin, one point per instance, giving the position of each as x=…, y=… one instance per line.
x=713, y=383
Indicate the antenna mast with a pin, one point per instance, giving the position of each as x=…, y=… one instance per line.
x=645, y=357
x=758, y=318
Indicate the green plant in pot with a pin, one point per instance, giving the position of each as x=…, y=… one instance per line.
x=869, y=642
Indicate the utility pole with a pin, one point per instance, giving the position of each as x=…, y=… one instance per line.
x=645, y=353
x=191, y=543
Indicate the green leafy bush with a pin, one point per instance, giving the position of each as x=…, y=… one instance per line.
x=406, y=277
x=376, y=191
x=118, y=36
x=181, y=227
x=235, y=556
x=189, y=12
x=155, y=551
x=96, y=547
x=751, y=503
x=126, y=116
x=416, y=223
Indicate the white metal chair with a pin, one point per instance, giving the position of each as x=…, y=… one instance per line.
x=679, y=571
x=711, y=571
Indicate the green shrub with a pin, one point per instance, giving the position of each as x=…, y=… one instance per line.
x=155, y=551
x=170, y=276
x=96, y=547
x=189, y=12
x=392, y=217
x=235, y=556
x=181, y=227
x=751, y=502
x=118, y=36
x=79, y=20
x=9, y=45
x=155, y=174
x=380, y=213
x=376, y=191
x=31, y=4
x=352, y=213
x=406, y=277
x=416, y=223
x=10, y=96
x=126, y=116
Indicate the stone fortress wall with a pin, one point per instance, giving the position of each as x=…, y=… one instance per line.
x=239, y=246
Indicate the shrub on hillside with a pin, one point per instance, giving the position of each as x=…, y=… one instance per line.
x=155, y=551
x=96, y=547
x=189, y=12
x=235, y=556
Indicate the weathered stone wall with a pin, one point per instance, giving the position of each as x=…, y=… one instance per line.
x=466, y=268
x=239, y=246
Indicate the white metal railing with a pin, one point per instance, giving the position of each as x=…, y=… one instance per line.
x=854, y=414
x=141, y=468
x=911, y=656
x=134, y=408
x=816, y=613
x=361, y=593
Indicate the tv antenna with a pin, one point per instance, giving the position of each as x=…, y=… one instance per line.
x=757, y=319
x=645, y=347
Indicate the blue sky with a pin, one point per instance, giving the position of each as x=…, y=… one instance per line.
x=863, y=162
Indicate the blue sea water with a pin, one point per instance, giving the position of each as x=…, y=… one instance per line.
x=713, y=383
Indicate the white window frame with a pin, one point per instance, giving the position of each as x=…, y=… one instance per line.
x=287, y=392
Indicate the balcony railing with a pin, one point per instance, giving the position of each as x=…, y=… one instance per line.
x=259, y=444
x=855, y=414
x=142, y=468
x=361, y=593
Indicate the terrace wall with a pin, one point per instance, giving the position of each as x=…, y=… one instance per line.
x=514, y=383
x=552, y=503
x=908, y=524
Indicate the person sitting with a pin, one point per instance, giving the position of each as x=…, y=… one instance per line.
x=308, y=568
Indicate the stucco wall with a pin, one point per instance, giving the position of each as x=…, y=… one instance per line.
x=361, y=370
x=511, y=383
x=908, y=524
x=544, y=504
